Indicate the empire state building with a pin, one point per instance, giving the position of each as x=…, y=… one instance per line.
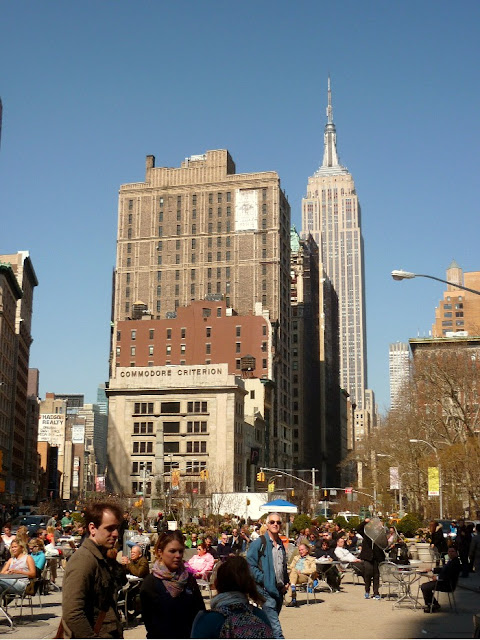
x=331, y=214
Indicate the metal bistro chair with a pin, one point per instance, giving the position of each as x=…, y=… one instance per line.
x=389, y=575
x=451, y=596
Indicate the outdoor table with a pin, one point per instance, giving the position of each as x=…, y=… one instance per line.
x=323, y=568
x=11, y=577
x=407, y=576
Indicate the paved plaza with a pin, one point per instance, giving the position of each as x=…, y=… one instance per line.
x=335, y=615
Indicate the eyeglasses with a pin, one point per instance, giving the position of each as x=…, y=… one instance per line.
x=279, y=522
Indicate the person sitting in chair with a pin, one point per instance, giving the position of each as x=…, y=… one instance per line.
x=201, y=563
x=446, y=580
x=300, y=569
x=137, y=565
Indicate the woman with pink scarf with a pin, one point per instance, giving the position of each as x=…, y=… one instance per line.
x=201, y=563
x=170, y=595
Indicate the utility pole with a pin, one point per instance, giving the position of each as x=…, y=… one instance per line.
x=314, y=493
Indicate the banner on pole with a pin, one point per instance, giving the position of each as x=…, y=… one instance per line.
x=433, y=481
x=394, y=478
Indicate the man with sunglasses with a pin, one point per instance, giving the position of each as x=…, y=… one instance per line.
x=268, y=564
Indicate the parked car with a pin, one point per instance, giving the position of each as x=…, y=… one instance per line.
x=348, y=515
x=33, y=523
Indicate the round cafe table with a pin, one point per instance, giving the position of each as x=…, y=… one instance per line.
x=11, y=578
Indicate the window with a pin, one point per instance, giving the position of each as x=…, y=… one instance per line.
x=209, y=257
x=183, y=348
x=219, y=212
x=171, y=427
x=177, y=258
x=141, y=428
x=159, y=291
x=169, y=334
x=194, y=199
x=130, y=205
x=143, y=407
x=219, y=312
x=208, y=348
x=210, y=227
x=197, y=426
x=208, y=331
x=170, y=407
x=237, y=363
x=196, y=446
x=168, y=349
x=150, y=350
x=238, y=347
x=143, y=447
x=129, y=233
x=171, y=447
x=198, y=406
x=227, y=256
x=160, y=216
x=252, y=394
x=129, y=247
x=206, y=313
x=118, y=351
x=194, y=243
x=177, y=245
x=127, y=292
x=210, y=198
x=177, y=289
x=219, y=197
x=229, y=196
x=194, y=231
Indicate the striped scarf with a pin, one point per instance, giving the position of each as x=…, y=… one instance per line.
x=174, y=582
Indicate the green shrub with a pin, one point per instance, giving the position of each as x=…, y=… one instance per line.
x=341, y=521
x=353, y=523
x=301, y=521
x=409, y=524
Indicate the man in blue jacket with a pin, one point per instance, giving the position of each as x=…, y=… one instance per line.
x=268, y=564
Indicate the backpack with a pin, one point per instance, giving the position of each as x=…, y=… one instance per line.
x=241, y=622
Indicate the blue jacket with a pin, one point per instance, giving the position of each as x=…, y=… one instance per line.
x=265, y=577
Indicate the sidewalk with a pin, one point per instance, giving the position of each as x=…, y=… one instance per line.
x=335, y=615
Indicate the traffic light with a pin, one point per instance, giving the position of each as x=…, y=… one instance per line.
x=271, y=487
x=326, y=494
x=261, y=476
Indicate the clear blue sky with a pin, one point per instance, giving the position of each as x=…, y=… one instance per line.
x=90, y=88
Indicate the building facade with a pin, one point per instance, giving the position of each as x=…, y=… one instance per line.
x=15, y=331
x=202, y=232
x=400, y=370
x=317, y=427
x=459, y=311
x=178, y=428
x=331, y=214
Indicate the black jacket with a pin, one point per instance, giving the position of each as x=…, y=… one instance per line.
x=167, y=617
x=370, y=552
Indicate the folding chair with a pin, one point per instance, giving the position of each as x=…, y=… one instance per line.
x=389, y=576
x=451, y=596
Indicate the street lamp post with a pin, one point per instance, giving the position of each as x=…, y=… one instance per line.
x=440, y=497
x=400, y=274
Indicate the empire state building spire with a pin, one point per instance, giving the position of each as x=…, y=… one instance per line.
x=330, y=158
x=330, y=163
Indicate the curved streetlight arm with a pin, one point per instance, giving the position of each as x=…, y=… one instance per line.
x=400, y=274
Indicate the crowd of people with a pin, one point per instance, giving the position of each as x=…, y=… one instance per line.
x=247, y=565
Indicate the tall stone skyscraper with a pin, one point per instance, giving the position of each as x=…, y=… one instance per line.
x=331, y=214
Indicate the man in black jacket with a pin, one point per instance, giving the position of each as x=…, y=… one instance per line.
x=446, y=580
x=372, y=555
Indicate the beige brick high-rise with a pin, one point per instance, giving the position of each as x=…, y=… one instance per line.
x=331, y=214
x=200, y=231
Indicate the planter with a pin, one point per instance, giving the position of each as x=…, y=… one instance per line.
x=425, y=552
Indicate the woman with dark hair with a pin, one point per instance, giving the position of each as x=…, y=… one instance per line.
x=437, y=540
x=170, y=595
x=231, y=615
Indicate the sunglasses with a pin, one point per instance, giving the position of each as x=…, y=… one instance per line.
x=275, y=522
